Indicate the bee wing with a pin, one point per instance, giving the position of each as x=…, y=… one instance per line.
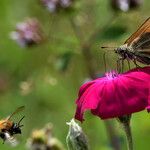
x=139, y=37
x=10, y=139
x=19, y=109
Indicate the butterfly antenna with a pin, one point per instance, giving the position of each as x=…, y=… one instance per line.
x=20, y=121
x=107, y=47
x=103, y=47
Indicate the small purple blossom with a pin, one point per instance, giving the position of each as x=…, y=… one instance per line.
x=53, y=5
x=28, y=33
x=125, y=5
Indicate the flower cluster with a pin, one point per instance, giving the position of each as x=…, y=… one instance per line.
x=53, y=5
x=43, y=139
x=125, y=5
x=28, y=33
x=115, y=95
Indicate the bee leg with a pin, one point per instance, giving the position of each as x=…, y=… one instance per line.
x=2, y=135
x=3, y=141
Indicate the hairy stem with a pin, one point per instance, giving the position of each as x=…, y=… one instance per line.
x=125, y=122
x=127, y=130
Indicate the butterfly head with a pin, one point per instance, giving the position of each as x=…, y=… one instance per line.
x=121, y=50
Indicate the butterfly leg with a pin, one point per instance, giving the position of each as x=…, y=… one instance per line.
x=120, y=64
x=128, y=61
x=104, y=59
x=134, y=61
x=129, y=64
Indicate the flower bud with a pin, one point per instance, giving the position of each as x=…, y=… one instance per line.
x=76, y=139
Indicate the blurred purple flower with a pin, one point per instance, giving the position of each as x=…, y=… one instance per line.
x=125, y=5
x=28, y=33
x=53, y=5
x=115, y=94
x=135, y=3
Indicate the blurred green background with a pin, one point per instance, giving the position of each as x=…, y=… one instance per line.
x=46, y=77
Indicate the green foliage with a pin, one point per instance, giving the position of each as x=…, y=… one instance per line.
x=48, y=88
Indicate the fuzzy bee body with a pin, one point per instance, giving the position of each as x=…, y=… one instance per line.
x=5, y=124
x=8, y=127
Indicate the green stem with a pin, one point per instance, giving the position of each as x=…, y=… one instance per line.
x=128, y=132
x=125, y=121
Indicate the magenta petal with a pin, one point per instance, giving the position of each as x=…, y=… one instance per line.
x=113, y=97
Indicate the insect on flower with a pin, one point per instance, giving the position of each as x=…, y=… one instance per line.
x=9, y=128
x=136, y=47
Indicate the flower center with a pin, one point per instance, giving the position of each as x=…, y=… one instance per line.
x=111, y=75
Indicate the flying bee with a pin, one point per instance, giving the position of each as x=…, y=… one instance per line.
x=136, y=47
x=9, y=127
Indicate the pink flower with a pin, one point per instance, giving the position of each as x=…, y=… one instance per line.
x=115, y=94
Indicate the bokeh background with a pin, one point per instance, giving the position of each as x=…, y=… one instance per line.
x=46, y=77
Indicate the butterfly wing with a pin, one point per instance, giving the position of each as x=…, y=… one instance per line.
x=142, y=48
x=140, y=43
x=143, y=58
x=135, y=37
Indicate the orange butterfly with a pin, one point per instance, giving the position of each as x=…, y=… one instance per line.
x=137, y=46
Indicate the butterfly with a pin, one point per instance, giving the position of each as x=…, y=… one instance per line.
x=136, y=47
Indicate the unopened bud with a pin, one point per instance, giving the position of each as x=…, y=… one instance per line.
x=76, y=139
